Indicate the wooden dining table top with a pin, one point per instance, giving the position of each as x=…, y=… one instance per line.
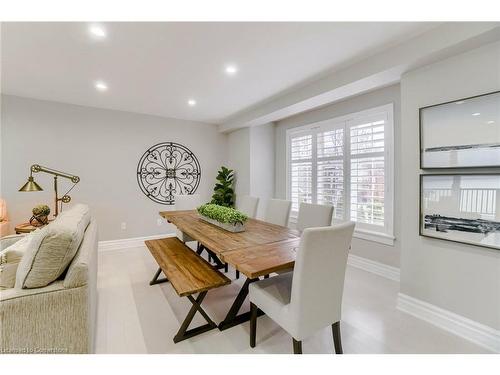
x=259, y=250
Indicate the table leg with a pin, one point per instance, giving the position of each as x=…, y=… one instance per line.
x=212, y=257
x=232, y=318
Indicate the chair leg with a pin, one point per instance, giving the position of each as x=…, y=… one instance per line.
x=253, y=324
x=336, y=338
x=226, y=268
x=237, y=274
x=297, y=346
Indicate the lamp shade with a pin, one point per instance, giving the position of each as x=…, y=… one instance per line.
x=31, y=185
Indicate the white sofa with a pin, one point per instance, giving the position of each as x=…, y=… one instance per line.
x=57, y=318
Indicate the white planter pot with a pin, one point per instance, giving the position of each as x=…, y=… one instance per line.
x=229, y=227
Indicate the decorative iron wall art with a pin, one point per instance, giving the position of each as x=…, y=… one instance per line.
x=168, y=169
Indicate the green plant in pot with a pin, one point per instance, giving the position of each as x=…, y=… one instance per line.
x=225, y=217
x=40, y=215
x=223, y=190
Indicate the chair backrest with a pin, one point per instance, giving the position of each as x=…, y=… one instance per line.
x=187, y=201
x=318, y=276
x=314, y=215
x=278, y=211
x=248, y=205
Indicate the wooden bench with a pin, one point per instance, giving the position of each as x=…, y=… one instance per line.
x=188, y=273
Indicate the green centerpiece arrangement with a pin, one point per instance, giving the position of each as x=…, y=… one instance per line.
x=224, y=217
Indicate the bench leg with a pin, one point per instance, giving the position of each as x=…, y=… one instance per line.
x=155, y=279
x=185, y=333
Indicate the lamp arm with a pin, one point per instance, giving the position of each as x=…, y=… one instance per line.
x=36, y=168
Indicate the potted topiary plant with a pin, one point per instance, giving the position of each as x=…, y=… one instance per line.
x=223, y=190
x=224, y=217
x=40, y=215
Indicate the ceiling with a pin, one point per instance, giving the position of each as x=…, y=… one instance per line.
x=156, y=68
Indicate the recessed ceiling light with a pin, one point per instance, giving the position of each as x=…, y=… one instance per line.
x=490, y=122
x=101, y=86
x=460, y=102
x=191, y=102
x=231, y=69
x=476, y=114
x=97, y=31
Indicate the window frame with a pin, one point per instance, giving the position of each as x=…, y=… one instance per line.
x=385, y=234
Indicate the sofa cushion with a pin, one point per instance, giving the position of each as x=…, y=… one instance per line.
x=10, y=257
x=43, y=265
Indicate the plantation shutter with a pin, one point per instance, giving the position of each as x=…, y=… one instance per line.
x=367, y=165
x=330, y=170
x=301, y=154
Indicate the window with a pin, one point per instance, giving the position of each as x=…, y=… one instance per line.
x=346, y=162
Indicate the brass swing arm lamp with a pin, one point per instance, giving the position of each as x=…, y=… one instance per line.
x=31, y=185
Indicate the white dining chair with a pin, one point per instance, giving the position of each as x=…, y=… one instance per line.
x=278, y=212
x=314, y=215
x=248, y=205
x=309, y=298
x=186, y=202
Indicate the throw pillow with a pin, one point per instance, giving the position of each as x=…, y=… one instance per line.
x=41, y=266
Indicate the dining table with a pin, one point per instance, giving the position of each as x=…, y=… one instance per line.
x=261, y=249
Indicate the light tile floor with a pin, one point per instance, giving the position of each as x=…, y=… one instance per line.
x=134, y=317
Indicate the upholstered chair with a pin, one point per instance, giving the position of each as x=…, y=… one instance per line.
x=186, y=202
x=309, y=298
x=278, y=212
x=248, y=205
x=314, y=215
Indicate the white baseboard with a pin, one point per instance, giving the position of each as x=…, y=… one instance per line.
x=372, y=266
x=127, y=243
x=471, y=330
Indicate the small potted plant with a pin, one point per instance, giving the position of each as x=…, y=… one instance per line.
x=40, y=215
x=224, y=217
x=223, y=190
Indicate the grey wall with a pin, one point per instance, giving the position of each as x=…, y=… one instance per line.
x=389, y=255
x=460, y=278
x=262, y=165
x=251, y=155
x=103, y=147
x=239, y=159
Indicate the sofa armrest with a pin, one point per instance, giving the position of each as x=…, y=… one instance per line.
x=6, y=241
x=52, y=319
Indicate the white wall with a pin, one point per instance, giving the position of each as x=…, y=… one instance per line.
x=103, y=147
x=459, y=278
x=368, y=249
x=251, y=155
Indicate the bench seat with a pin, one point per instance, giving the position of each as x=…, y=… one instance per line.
x=189, y=274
